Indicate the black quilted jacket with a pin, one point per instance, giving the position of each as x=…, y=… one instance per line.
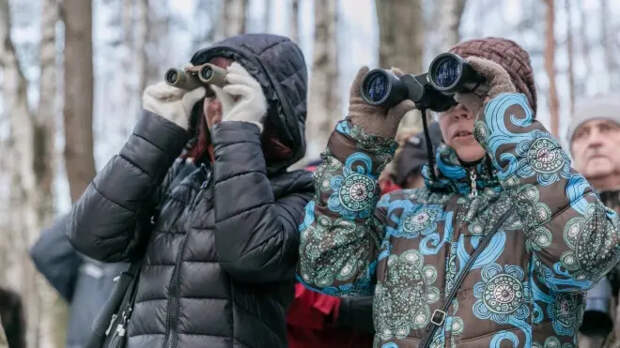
x=221, y=256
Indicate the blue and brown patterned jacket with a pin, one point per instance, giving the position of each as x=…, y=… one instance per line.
x=408, y=247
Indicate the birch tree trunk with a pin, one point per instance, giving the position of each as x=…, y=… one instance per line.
x=142, y=29
x=134, y=17
x=401, y=34
x=78, y=84
x=204, y=30
x=449, y=21
x=550, y=66
x=324, y=102
x=401, y=43
x=127, y=95
x=267, y=17
x=295, y=20
x=55, y=310
x=585, y=44
x=571, y=55
x=45, y=119
x=609, y=45
x=22, y=206
x=45, y=161
x=233, y=18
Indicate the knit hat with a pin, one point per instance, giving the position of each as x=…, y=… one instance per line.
x=512, y=57
x=412, y=156
x=602, y=107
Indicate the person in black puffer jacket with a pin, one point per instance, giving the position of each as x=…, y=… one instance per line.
x=220, y=254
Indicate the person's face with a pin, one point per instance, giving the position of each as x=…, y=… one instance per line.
x=212, y=108
x=595, y=145
x=457, y=129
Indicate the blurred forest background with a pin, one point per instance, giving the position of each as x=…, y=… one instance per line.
x=72, y=73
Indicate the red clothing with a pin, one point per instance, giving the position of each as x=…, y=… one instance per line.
x=388, y=186
x=309, y=323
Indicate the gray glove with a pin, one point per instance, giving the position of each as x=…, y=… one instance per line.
x=171, y=103
x=375, y=120
x=497, y=81
x=242, y=98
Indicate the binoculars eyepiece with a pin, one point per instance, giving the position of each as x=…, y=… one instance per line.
x=448, y=73
x=201, y=75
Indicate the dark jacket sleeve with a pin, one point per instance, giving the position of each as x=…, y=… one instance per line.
x=255, y=235
x=56, y=259
x=104, y=220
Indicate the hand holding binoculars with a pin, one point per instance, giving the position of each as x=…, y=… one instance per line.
x=196, y=76
x=448, y=74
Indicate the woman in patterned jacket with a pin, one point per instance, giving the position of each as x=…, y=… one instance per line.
x=409, y=247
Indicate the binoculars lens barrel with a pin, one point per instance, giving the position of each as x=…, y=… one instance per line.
x=181, y=79
x=449, y=73
x=203, y=75
x=383, y=88
x=212, y=74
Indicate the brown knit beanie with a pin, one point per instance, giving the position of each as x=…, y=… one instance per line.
x=509, y=55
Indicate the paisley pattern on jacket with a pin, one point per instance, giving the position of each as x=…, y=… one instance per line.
x=408, y=247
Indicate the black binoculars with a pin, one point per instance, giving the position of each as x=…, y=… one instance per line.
x=196, y=76
x=448, y=73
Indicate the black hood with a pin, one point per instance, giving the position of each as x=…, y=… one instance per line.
x=279, y=66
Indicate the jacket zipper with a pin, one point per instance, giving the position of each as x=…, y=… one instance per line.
x=472, y=183
x=473, y=196
x=173, y=301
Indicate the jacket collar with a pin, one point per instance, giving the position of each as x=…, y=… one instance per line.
x=453, y=177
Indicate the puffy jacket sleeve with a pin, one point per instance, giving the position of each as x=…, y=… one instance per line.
x=104, y=220
x=343, y=225
x=256, y=234
x=573, y=237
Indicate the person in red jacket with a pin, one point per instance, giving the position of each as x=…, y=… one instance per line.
x=320, y=321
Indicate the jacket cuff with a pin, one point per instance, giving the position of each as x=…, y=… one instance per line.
x=230, y=132
x=237, y=149
x=348, y=139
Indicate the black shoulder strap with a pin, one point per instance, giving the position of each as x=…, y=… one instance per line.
x=124, y=291
x=439, y=315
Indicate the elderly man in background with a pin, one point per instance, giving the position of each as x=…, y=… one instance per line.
x=594, y=138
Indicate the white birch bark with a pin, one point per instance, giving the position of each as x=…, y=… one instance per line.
x=22, y=218
x=78, y=84
x=324, y=99
x=295, y=20
x=401, y=43
x=55, y=311
x=233, y=18
x=449, y=20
